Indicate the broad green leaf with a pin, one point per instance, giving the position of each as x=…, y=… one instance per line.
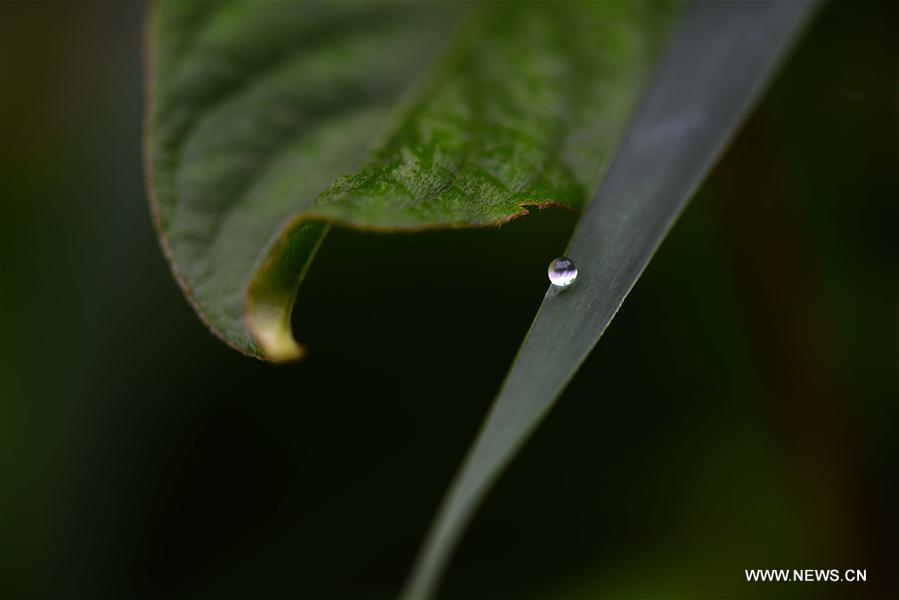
x=270, y=121
x=720, y=56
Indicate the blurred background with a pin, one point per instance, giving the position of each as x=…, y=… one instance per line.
x=741, y=411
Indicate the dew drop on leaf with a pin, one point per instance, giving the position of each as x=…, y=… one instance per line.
x=562, y=272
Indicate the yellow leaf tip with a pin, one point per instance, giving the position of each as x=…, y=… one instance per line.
x=274, y=337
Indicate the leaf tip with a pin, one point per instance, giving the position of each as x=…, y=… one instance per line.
x=272, y=333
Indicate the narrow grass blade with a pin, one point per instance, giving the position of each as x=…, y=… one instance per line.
x=719, y=59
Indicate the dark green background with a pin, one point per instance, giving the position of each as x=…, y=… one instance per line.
x=741, y=411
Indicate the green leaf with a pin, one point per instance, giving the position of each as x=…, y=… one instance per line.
x=720, y=57
x=269, y=121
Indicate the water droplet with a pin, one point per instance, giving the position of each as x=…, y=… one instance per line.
x=562, y=272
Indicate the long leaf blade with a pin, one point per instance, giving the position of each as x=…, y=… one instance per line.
x=720, y=57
